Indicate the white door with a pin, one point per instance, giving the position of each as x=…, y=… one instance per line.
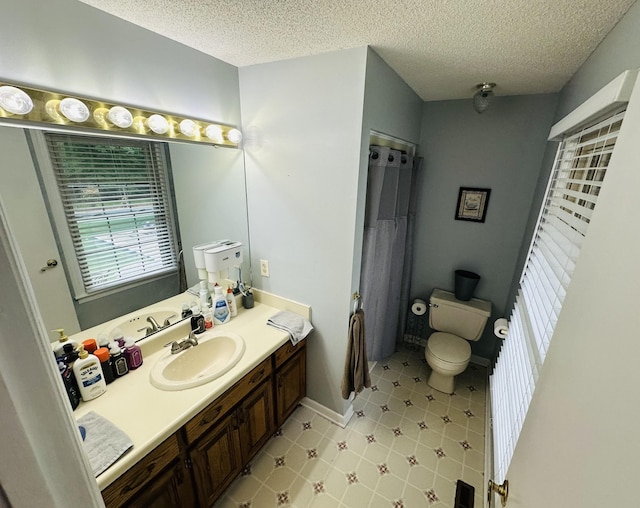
x=30, y=225
x=579, y=446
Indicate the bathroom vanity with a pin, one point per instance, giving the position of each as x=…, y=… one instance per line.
x=190, y=444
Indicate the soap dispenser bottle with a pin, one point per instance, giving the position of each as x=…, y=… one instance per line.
x=88, y=372
x=59, y=344
x=221, y=312
x=205, y=296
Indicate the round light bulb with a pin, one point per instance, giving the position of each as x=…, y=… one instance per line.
x=214, y=133
x=120, y=117
x=158, y=124
x=74, y=110
x=15, y=101
x=235, y=136
x=188, y=128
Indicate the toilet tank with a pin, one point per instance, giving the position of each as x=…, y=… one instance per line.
x=464, y=319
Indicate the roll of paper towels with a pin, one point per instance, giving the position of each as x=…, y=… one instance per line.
x=419, y=307
x=501, y=328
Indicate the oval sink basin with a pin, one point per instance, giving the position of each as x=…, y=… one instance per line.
x=129, y=327
x=216, y=353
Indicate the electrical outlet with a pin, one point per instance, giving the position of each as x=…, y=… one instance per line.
x=264, y=268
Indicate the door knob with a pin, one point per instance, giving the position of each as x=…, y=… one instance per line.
x=51, y=263
x=502, y=490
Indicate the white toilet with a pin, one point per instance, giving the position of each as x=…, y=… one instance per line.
x=456, y=322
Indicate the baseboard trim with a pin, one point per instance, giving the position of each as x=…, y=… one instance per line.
x=329, y=414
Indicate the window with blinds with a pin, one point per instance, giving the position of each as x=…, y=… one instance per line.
x=576, y=179
x=114, y=197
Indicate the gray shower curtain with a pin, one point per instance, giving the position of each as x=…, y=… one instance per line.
x=384, y=279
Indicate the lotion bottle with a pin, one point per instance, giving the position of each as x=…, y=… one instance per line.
x=221, y=312
x=62, y=340
x=231, y=302
x=132, y=353
x=88, y=372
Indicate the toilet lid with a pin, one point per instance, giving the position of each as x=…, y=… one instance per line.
x=449, y=348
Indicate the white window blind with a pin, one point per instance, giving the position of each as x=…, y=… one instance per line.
x=115, y=199
x=579, y=170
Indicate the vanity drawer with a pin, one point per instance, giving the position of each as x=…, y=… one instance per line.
x=140, y=475
x=286, y=351
x=219, y=408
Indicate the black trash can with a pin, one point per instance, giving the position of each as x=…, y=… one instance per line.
x=465, y=284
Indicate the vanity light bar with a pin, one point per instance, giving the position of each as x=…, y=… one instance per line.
x=41, y=107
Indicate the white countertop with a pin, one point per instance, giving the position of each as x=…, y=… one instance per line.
x=149, y=415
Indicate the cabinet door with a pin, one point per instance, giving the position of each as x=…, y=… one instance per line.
x=168, y=490
x=291, y=385
x=216, y=460
x=255, y=414
x=144, y=474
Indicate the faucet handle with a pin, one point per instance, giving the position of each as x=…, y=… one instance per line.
x=146, y=329
x=175, y=347
x=167, y=322
x=192, y=336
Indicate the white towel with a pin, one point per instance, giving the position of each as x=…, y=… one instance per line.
x=296, y=326
x=104, y=442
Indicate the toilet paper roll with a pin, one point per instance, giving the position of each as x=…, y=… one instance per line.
x=419, y=307
x=501, y=328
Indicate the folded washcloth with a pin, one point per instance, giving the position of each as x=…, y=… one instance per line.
x=296, y=326
x=103, y=441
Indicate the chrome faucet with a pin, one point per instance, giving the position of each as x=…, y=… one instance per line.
x=154, y=324
x=177, y=347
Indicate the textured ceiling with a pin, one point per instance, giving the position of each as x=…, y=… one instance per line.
x=441, y=48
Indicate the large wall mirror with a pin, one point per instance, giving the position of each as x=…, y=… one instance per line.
x=208, y=183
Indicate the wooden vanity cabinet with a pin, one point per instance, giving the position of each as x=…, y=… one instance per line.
x=194, y=466
x=230, y=431
x=159, y=480
x=290, y=379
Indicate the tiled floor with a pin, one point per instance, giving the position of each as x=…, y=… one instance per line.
x=405, y=447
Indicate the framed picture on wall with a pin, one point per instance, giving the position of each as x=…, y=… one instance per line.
x=472, y=204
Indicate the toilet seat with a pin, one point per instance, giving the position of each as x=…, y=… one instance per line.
x=449, y=348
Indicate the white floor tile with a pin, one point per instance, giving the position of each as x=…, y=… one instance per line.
x=406, y=446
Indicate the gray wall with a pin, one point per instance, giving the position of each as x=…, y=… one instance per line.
x=390, y=107
x=501, y=149
x=303, y=118
x=108, y=58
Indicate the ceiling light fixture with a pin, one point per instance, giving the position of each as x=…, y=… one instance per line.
x=23, y=106
x=482, y=98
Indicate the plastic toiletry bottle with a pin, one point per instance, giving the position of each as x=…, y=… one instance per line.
x=102, y=353
x=208, y=317
x=205, y=296
x=221, y=312
x=103, y=341
x=70, y=385
x=197, y=320
x=89, y=375
x=62, y=340
x=132, y=353
x=118, y=336
x=69, y=355
x=120, y=367
x=231, y=302
x=186, y=310
x=90, y=345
